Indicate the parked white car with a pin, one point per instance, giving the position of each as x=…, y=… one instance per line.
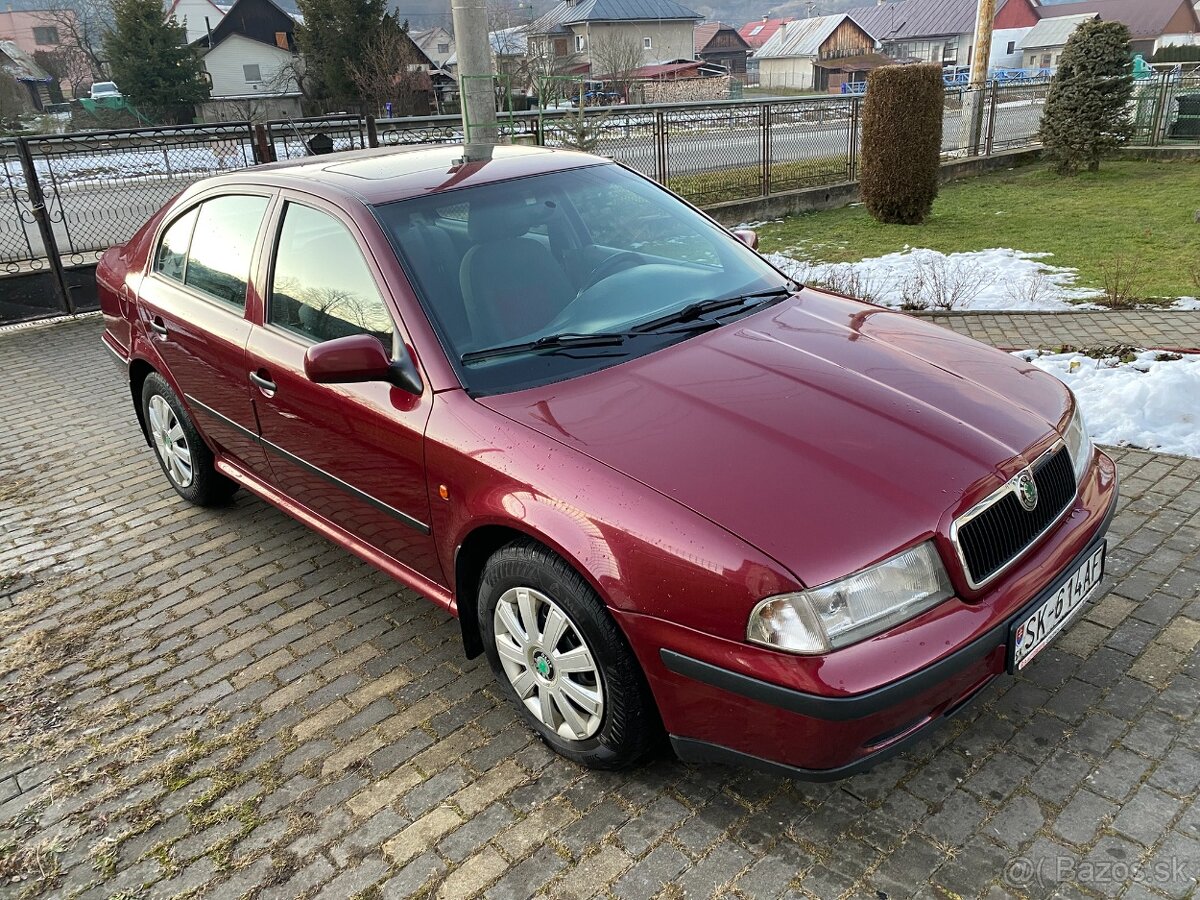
x=101, y=89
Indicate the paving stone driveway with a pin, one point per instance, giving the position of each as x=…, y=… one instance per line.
x=220, y=703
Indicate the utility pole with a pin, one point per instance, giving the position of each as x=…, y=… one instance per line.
x=972, y=111
x=981, y=61
x=473, y=47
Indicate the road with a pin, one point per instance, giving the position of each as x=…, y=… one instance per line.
x=92, y=215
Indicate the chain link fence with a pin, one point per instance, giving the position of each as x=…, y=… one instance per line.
x=66, y=198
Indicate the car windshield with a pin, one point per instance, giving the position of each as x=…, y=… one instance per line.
x=552, y=276
x=104, y=86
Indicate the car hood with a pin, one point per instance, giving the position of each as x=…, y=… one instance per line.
x=826, y=432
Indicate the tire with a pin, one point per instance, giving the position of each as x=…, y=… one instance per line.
x=552, y=686
x=182, y=454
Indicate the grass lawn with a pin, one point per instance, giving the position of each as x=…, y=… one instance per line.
x=1130, y=219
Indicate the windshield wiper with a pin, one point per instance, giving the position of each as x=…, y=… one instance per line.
x=549, y=342
x=693, y=311
x=569, y=341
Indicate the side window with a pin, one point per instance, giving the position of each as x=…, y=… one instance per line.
x=322, y=288
x=222, y=244
x=172, y=252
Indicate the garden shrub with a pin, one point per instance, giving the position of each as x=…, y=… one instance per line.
x=901, y=142
x=1087, y=110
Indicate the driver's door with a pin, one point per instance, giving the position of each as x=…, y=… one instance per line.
x=351, y=453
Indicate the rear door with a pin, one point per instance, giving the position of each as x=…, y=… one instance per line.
x=192, y=310
x=352, y=453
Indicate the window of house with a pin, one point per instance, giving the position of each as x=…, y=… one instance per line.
x=1012, y=46
x=252, y=72
x=222, y=243
x=1047, y=59
x=281, y=40
x=647, y=44
x=443, y=48
x=579, y=43
x=560, y=47
x=950, y=52
x=321, y=287
x=45, y=35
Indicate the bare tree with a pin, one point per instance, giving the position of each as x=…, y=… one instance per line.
x=79, y=58
x=615, y=57
x=391, y=71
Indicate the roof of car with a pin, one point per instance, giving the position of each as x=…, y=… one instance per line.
x=397, y=173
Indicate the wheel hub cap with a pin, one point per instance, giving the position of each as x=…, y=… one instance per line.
x=169, y=441
x=549, y=665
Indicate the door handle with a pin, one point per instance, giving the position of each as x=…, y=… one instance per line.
x=266, y=385
x=157, y=326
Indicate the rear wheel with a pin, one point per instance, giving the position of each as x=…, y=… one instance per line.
x=561, y=659
x=184, y=457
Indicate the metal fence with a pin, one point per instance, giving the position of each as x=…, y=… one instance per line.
x=65, y=198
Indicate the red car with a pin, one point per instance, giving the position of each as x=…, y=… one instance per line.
x=660, y=486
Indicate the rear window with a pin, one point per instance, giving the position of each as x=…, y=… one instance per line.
x=222, y=245
x=172, y=251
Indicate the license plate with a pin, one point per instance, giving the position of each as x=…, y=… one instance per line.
x=1034, y=631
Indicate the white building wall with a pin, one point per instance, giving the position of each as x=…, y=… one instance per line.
x=1001, y=41
x=669, y=40
x=1179, y=40
x=787, y=72
x=191, y=14
x=226, y=66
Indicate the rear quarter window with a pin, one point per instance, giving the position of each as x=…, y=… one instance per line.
x=222, y=245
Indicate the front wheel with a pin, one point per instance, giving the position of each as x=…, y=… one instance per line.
x=561, y=659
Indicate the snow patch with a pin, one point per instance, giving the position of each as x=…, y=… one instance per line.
x=1151, y=402
x=996, y=280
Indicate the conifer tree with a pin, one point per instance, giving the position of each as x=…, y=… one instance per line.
x=151, y=62
x=1087, y=110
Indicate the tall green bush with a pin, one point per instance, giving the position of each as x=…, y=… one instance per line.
x=901, y=142
x=1087, y=110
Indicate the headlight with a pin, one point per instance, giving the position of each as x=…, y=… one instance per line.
x=1079, y=444
x=842, y=612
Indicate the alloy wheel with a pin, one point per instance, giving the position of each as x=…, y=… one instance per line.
x=548, y=663
x=170, y=441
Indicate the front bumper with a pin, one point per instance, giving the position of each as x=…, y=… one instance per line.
x=717, y=714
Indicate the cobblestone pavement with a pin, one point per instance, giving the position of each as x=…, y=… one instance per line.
x=1018, y=331
x=220, y=703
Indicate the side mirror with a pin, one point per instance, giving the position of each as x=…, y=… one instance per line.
x=358, y=358
x=748, y=237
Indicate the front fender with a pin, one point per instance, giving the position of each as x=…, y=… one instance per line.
x=641, y=551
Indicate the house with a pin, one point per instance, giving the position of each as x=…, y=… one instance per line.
x=939, y=31
x=251, y=60
x=805, y=53
x=42, y=26
x=759, y=32
x=1044, y=43
x=574, y=36
x=198, y=17
x=509, y=48
x=436, y=43
x=1014, y=19
x=1153, y=24
x=19, y=65
x=716, y=42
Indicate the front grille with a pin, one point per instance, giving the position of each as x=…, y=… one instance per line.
x=995, y=536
